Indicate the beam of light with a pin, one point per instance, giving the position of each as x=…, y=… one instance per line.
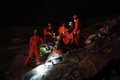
x=43, y=69
x=40, y=71
x=53, y=58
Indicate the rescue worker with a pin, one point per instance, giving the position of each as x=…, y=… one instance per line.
x=62, y=30
x=56, y=55
x=68, y=38
x=35, y=42
x=48, y=33
x=76, y=30
x=71, y=27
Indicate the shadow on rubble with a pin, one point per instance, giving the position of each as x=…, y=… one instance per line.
x=109, y=72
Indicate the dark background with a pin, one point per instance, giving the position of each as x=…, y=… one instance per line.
x=15, y=14
x=32, y=12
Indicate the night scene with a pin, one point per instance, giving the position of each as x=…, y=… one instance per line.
x=59, y=40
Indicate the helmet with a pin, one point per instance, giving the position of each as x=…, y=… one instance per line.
x=70, y=23
x=75, y=16
x=35, y=31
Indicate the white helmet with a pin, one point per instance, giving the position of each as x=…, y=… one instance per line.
x=35, y=31
x=70, y=23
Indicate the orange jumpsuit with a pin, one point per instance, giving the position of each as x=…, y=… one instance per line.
x=48, y=35
x=68, y=38
x=35, y=41
x=76, y=32
x=62, y=30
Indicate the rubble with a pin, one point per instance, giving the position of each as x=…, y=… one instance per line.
x=84, y=63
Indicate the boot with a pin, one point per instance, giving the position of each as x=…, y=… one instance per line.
x=27, y=62
x=37, y=62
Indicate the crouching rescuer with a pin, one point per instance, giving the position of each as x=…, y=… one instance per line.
x=35, y=42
